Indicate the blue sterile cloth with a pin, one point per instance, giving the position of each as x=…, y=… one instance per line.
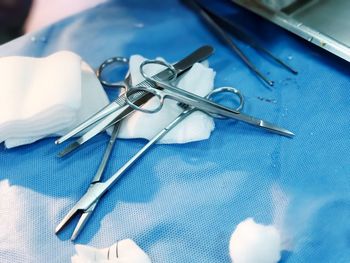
x=180, y=203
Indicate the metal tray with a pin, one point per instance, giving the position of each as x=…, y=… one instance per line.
x=326, y=23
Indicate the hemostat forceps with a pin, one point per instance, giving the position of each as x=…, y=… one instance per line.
x=97, y=178
x=167, y=90
x=96, y=189
x=119, y=108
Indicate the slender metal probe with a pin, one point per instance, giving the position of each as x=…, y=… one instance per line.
x=239, y=33
x=226, y=38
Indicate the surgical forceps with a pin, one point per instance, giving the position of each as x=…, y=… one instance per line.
x=119, y=108
x=165, y=89
x=218, y=23
x=97, y=178
x=88, y=201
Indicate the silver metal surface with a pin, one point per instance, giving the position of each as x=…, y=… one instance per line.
x=97, y=178
x=120, y=104
x=96, y=189
x=165, y=89
x=325, y=23
x=88, y=201
x=115, y=116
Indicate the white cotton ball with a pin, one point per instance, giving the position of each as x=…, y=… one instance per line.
x=255, y=243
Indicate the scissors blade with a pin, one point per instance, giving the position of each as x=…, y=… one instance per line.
x=209, y=106
x=266, y=125
x=180, y=67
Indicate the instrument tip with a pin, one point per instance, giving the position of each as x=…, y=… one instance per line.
x=290, y=134
x=58, y=229
x=294, y=72
x=68, y=149
x=273, y=128
x=285, y=132
x=60, y=155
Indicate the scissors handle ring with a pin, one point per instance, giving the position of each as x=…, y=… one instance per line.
x=131, y=90
x=105, y=64
x=155, y=92
x=159, y=62
x=230, y=90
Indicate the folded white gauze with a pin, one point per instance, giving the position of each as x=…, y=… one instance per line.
x=255, y=243
x=45, y=96
x=124, y=251
x=198, y=126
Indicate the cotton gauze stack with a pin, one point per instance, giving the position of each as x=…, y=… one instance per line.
x=255, y=243
x=124, y=251
x=198, y=126
x=45, y=96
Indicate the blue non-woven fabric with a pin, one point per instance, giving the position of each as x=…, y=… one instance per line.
x=181, y=203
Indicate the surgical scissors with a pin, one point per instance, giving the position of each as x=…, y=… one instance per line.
x=165, y=89
x=119, y=108
x=97, y=188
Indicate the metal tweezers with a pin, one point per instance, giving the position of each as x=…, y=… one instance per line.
x=219, y=24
